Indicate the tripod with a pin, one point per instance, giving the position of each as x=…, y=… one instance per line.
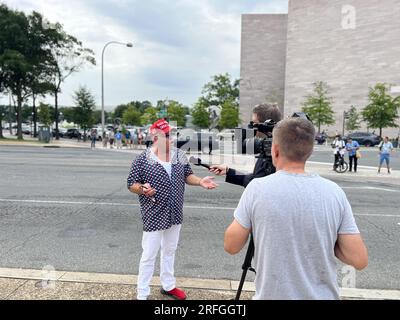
x=268, y=169
x=246, y=266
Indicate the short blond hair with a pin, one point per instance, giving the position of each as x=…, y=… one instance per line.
x=295, y=137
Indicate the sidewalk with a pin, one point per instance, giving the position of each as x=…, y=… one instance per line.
x=20, y=284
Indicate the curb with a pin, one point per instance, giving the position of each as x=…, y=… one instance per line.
x=189, y=283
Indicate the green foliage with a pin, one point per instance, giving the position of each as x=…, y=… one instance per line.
x=220, y=90
x=382, y=110
x=97, y=116
x=229, y=115
x=354, y=119
x=177, y=112
x=84, y=107
x=150, y=116
x=119, y=110
x=131, y=116
x=44, y=115
x=68, y=114
x=35, y=59
x=319, y=106
x=200, y=114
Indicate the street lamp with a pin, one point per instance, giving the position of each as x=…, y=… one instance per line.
x=129, y=45
x=32, y=122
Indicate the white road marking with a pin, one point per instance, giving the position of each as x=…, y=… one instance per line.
x=371, y=188
x=137, y=205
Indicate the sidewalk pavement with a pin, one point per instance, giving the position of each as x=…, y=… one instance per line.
x=24, y=284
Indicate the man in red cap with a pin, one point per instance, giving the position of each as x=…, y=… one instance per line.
x=158, y=176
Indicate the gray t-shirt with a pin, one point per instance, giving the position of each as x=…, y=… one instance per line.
x=295, y=220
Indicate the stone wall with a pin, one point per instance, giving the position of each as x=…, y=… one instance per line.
x=349, y=44
x=262, y=61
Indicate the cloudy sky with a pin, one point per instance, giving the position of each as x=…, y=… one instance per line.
x=178, y=44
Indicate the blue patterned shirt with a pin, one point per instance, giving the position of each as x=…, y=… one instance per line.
x=168, y=208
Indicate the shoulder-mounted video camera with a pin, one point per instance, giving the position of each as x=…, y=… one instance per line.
x=249, y=141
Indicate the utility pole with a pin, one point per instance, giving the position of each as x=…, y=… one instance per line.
x=10, y=113
x=345, y=116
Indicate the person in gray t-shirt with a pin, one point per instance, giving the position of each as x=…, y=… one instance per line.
x=299, y=221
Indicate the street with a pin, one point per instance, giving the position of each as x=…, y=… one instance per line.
x=70, y=209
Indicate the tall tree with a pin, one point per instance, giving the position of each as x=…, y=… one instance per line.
x=15, y=58
x=354, y=119
x=69, y=113
x=177, y=113
x=44, y=115
x=200, y=114
x=150, y=116
x=69, y=56
x=131, y=116
x=41, y=83
x=3, y=112
x=119, y=110
x=84, y=107
x=229, y=115
x=318, y=106
x=382, y=110
x=220, y=90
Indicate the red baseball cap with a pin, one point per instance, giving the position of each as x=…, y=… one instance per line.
x=161, y=125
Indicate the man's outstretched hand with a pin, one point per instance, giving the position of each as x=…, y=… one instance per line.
x=219, y=170
x=208, y=183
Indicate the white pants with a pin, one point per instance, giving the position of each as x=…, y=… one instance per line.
x=151, y=243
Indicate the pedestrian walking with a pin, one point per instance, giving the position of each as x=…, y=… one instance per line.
x=352, y=148
x=385, y=150
x=93, y=138
x=118, y=139
x=111, y=138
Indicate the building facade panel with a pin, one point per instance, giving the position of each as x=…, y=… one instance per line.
x=263, y=61
x=349, y=44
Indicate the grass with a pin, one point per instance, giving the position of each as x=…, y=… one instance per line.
x=19, y=141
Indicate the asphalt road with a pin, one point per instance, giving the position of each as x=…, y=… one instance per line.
x=370, y=157
x=70, y=209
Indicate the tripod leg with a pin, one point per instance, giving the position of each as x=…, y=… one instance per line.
x=246, y=266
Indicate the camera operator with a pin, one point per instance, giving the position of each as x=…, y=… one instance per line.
x=299, y=221
x=261, y=113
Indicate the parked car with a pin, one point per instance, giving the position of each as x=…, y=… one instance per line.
x=364, y=138
x=72, y=133
x=61, y=132
x=320, y=138
x=26, y=129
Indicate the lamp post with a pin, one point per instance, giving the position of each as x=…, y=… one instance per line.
x=32, y=123
x=129, y=45
x=1, y=124
x=345, y=117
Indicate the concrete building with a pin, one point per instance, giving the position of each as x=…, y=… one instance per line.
x=349, y=44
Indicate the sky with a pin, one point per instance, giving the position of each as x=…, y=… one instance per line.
x=178, y=45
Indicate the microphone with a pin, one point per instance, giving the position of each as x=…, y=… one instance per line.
x=197, y=162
